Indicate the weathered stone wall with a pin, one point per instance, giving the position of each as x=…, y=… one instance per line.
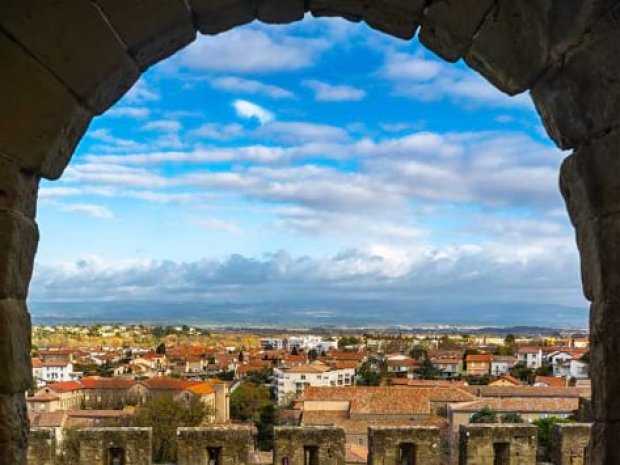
x=384, y=444
x=233, y=444
x=570, y=441
x=67, y=60
x=476, y=444
x=95, y=444
x=41, y=446
x=290, y=443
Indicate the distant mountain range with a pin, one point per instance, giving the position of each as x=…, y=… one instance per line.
x=347, y=313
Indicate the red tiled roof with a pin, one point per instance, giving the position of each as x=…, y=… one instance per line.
x=97, y=382
x=551, y=381
x=65, y=386
x=520, y=404
x=166, y=384
x=478, y=358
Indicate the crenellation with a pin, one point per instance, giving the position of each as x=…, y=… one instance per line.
x=216, y=445
x=493, y=444
x=309, y=445
x=41, y=446
x=570, y=443
x=112, y=446
x=404, y=445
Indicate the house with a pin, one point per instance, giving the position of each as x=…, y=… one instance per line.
x=65, y=395
x=450, y=367
x=506, y=380
x=532, y=357
x=502, y=364
x=530, y=408
x=291, y=382
x=53, y=371
x=550, y=381
x=478, y=365
x=401, y=366
x=571, y=369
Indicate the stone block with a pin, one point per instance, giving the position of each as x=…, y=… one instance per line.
x=18, y=188
x=98, y=444
x=590, y=179
x=570, y=443
x=398, y=18
x=604, y=356
x=231, y=444
x=40, y=120
x=41, y=446
x=485, y=444
x=580, y=98
x=75, y=41
x=151, y=29
x=598, y=242
x=387, y=444
x=15, y=334
x=448, y=28
x=215, y=16
x=352, y=10
x=320, y=444
x=280, y=11
x=13, y=429
x=19, y=237
x=511, y=48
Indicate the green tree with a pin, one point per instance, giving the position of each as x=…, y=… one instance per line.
x=544, y=435
x=545, y=370
x=294, y=351
x=161, y=349
x=369, y=374
x=418, y=352
x=346, y=341
x=313, y=354
x=264, y=427
x=511, y=418
x=247, y=401
x=429, y=370
x=165, y=415
x=484, y=415
x=240, y=357
x=510, y=339
x=522, y=372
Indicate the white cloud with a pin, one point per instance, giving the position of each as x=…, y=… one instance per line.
x=298, y=132
x=326, y=92
x=130, y=112
x=247, y=50
x=162, y=125
x=250, y=86
x=141, y=92
x=220, y=225
x=249, y=110
x=97, y=211
x=217, y=131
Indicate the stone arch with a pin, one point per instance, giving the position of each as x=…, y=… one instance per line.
x=65, y=61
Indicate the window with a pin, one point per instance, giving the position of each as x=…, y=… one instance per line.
x=407, y=454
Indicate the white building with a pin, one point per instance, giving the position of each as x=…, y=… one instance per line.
x=291, y=382
x=304, y=342
x=271, y=343
x=53, y=372
x=531, y=356
x=571, y=369
x=501, y=365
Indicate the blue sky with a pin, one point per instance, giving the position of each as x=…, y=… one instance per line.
x=320, y=157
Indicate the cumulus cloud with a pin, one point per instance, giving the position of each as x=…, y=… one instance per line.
x=217, y=131
x=249, y=110
x=249, y=50
x=326, y=92
x=250, y=86
x=162, y=126
x=129, y=112
x=415, y=76
x=298, y=132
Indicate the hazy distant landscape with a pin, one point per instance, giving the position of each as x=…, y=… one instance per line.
x=311, y=314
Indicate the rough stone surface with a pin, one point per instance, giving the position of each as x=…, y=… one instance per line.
x=40, y=121
x=233, y=443
x=589, y=179
x=151, y=29
x=604, y=356
x=476, y=443
x=604, y=444
x=570, y=441
x=13, y=429
x=511, y=48
x=15, y=333
x=85, y=53
x=95, y=444
x=580, y=98
x=19, y=237
x=41, y=446
x=215, y=16
x=18, y=188
x=448, y=27
x=384, y=444
x=280, y=11
x=290, y=443
x=399, y=18
x=352, y=10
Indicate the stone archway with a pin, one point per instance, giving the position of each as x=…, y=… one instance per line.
x=64, y=61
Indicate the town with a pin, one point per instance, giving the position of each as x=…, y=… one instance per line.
x=175, y=377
